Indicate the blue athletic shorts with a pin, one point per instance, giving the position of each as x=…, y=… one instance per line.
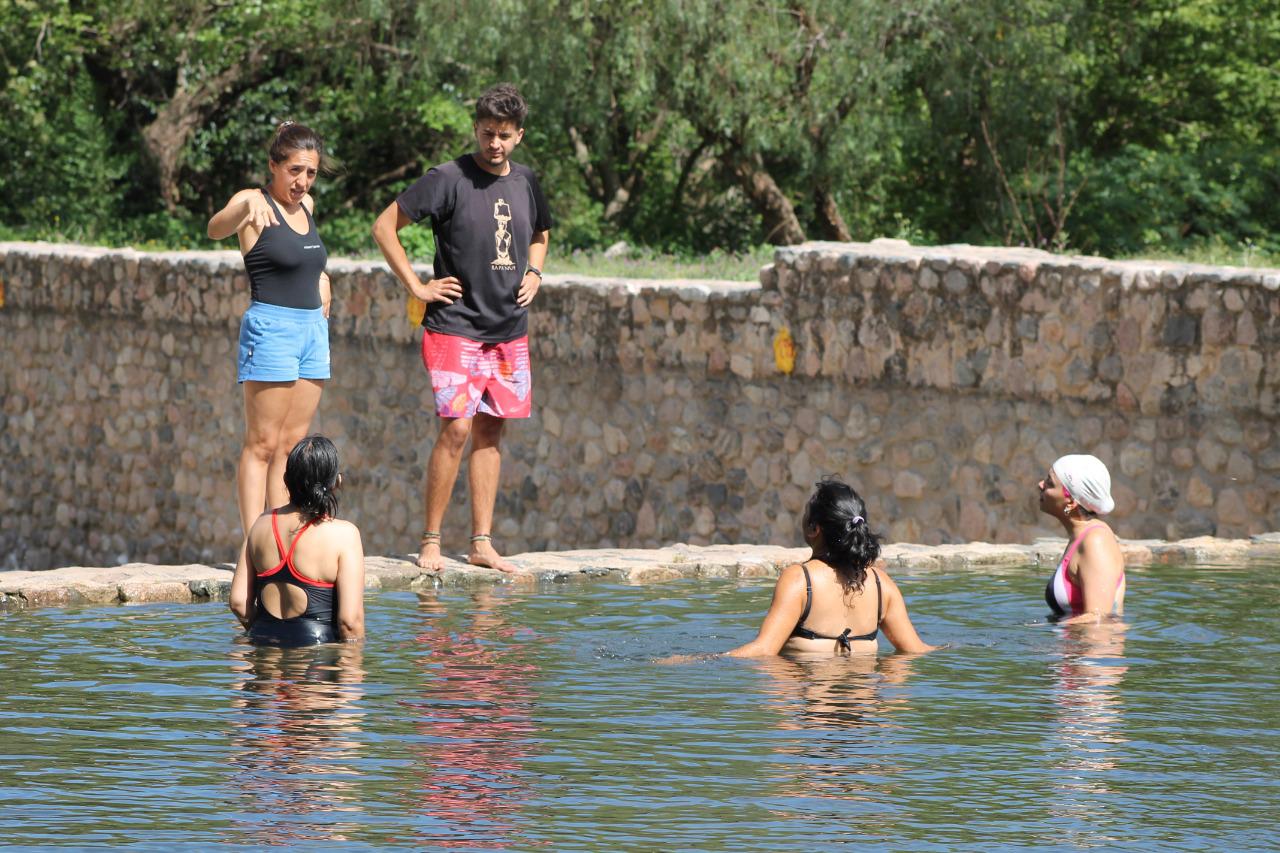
x=279, y=344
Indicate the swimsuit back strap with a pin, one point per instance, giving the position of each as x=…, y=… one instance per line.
x=276, y=530
x=808, y=594
x=288, y=558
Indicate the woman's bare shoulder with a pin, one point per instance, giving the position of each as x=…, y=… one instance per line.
x=241, y=195
x=1099, y=537
x=339, y=528
x=887, y=584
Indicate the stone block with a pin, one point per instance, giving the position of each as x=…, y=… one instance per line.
x=147, y=591
x=1231, y=508
x=1199, y=493
x=1211, y=455
x=909, y=484
x=1182, y=458
x=1240, y=466
x=1136, y=460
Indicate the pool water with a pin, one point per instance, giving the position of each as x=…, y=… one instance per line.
x=538, y=719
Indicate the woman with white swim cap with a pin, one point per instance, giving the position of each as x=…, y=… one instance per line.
x=1088, y=582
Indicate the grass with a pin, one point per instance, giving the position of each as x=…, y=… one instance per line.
x=1214, y=253
x=644, y=263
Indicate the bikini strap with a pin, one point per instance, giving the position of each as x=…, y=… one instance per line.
x=1074, y=544
x=878, y=599
x=808, y=594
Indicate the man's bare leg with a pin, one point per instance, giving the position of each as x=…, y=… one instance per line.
x=484, y=468
x=442, y=471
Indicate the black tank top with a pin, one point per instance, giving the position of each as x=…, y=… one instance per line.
x=284, y=266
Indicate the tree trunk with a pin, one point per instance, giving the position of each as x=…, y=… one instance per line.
x=830, y=219
x=167, y=136
x=781, y=226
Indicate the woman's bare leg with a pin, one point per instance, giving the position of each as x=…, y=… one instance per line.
x=303, y=402
x=267, y=408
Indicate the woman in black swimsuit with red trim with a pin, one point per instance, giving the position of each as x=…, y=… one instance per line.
x=310, y=590
x=837, y=601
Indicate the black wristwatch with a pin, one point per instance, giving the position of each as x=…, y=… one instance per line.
x=534, y=270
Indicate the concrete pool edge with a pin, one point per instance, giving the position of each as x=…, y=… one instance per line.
x=137, y=583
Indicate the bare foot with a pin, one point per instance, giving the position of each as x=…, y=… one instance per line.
x=484, y=554
x=429, y=556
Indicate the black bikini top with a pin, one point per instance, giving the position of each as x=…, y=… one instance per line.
x=846, y=637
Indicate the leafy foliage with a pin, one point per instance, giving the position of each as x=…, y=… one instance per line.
x=687, y=126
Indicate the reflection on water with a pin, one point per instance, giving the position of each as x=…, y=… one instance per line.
x=840, y=708
x=474, y=715
x=1089, y=721
x=839, y=692
x=535, y=719
x=296, y=743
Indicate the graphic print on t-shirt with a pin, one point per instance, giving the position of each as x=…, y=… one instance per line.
x=502, y=236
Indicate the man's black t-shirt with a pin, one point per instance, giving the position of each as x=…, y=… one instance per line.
x=483, y=225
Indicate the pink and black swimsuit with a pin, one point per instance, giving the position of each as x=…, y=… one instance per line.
x=1064, y=597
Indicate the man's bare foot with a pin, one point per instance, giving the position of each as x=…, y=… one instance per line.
x=483, y=554
x=429, y=557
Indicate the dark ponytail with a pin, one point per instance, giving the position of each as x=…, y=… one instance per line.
x=841, y=515
x=311, y=476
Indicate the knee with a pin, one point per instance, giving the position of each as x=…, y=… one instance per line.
x=260, y=446
x=454, y=434
x=286, y=443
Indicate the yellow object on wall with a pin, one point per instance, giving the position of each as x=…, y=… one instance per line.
x=784, y=351
x=414, y=309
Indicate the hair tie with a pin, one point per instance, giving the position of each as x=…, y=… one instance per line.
x=857, y=519
x=287, y=123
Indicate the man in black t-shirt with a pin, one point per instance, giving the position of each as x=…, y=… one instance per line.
x=490, y=222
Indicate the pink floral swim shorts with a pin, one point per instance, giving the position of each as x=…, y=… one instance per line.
x=469, y=376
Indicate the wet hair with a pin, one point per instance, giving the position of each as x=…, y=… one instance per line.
x=311, y=476
x=841, y=515
x=503, y=102
x=290, y=137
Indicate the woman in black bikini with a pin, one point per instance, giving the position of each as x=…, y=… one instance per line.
x=837, y=600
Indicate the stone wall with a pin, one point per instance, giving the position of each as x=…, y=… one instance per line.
x=941, y=381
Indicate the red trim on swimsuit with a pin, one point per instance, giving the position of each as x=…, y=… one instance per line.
x=286, y=557
x=1075, y=592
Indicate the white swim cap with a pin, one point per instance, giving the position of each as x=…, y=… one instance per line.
x=1087, y=481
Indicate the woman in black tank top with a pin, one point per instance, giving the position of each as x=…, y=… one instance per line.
x=283, y=358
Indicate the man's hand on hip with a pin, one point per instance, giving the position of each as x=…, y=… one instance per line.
x=528, y=289
x=444, y=290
